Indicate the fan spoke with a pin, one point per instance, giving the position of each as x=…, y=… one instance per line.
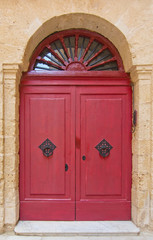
x=95, y=55
x=52, y=59
x=70, y=49
x=93, y=51
x=76, y=46
x=59, y=52
x=100, y=60
x=87, y=48
x=82, y=47
x=56, y=55
x=65, y=50
x=102, y=63
x=50, y=63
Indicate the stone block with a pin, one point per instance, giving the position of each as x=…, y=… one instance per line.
x=10, y=89
x=1, y=101
x=140, y=216
x=11, y=163
x=140, y=199
x=151, y=200
x=144, y=148
x=141, y=163
x=151, y=163
x=134, y=213
x=141, y=181
x=1, y=166
x=144, y=121
x=10, y=110
x=1, y=217
x=144, y=91
x=11, y=128
x=151, y=210
x=11, y=145
x=11, y=215
x=11, y=197
x=1, y=144
x=1, y=192
x=134, y=162
x=136, y=93
x=144, y=131
x=1, y=127
x=151, y=180
x=11, y=181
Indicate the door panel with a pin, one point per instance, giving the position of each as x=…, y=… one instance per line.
x=103, y=183
x=102, y=121
x=48, y=114
x=47, y=175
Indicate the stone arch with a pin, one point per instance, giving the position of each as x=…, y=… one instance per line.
x=79, y=20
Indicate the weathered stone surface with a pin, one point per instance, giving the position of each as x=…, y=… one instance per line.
x=11, y=215
x=140, y=198
x=141, y=180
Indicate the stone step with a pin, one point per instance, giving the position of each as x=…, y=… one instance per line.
x=76, y=228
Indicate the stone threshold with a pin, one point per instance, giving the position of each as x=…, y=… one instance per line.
x=76, y=228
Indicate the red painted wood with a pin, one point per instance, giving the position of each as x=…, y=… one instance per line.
x=103, y=185
x=76, y=78
x=105, y=211
x=83, y=110
x=47, y=210
x=47, y=113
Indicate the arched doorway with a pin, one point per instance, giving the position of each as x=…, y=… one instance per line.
x=75, y=131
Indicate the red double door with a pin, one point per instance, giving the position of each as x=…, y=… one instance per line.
x=75, y=153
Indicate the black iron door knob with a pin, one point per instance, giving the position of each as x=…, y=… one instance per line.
x=83, y=157
x=66, y=167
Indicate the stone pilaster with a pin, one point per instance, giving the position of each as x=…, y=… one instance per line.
x=141, y=76
x=11, y=78
x=1, y=153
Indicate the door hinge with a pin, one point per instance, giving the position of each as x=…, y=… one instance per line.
x=134, y=112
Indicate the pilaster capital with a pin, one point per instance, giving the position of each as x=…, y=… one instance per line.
x=141, y=72
x=11, y=71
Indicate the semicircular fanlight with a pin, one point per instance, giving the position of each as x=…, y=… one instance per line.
x=76, y=52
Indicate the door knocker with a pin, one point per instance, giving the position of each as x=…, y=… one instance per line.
x=104, y=148
x=47, y=148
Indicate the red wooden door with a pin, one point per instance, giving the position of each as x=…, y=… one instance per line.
x=103, y=184
x=47, y=191
x=75, y=119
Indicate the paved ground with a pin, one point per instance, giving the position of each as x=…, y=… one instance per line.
x=142, y=236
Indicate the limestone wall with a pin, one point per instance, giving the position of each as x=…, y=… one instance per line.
x=128, y=25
